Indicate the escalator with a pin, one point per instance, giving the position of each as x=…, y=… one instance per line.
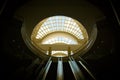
x=52, y=73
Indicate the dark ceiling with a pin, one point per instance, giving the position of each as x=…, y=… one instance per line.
x=16, y=56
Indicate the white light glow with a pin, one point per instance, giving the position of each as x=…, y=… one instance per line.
x=60, y=70
x=63, y=52
x=60, y=39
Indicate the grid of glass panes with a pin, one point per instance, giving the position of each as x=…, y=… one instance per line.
x=60, y=39
x=60, y=23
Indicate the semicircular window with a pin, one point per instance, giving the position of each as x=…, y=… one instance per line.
x=59, y=23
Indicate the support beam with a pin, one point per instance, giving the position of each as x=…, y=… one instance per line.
x=69, y=51
x=49, y=51
x=60, y=74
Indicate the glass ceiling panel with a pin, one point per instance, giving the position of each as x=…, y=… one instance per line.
x=59, y=23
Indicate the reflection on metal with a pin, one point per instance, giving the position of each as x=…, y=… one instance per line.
x=46, y=71
x=86, y=68
x=74, y=73
x=79, y=72
x=83, y=61
x=43, y=73
x=60, y=69
x=75, y=69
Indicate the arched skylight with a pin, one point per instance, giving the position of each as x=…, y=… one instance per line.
x=59, y=23
x=59, y=31
x=60, y=39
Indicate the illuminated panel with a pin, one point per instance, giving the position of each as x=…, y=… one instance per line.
x=59, y=23
x=59, y=53
x=60, y=39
